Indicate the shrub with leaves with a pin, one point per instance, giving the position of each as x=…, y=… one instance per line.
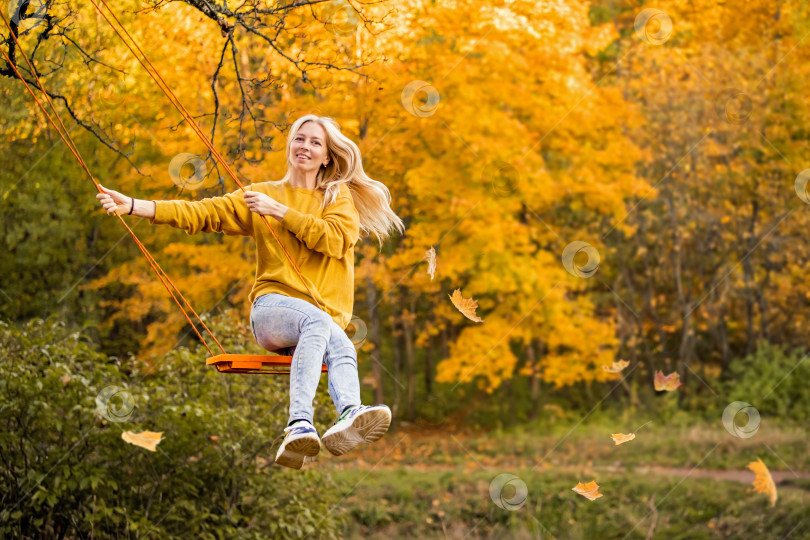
x=774, y=380
x=67, y=472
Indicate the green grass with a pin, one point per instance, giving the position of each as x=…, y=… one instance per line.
x=436, y=485
x=404, y=503
x=566, y=443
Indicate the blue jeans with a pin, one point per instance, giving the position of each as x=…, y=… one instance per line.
x=280, y=321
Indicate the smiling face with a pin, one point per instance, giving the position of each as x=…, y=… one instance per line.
x=308, y=148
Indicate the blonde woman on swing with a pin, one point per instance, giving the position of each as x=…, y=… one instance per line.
x=318, y=210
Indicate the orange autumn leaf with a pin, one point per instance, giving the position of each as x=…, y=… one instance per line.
x=620, y=438
x=589, y=491
x=145, y=439
x=763, y=481
x=466, y=306
x=430, y=255
x=616, y=367
x=669, y=383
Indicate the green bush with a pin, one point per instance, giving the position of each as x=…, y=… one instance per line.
x=774, y=380
x=68, y=473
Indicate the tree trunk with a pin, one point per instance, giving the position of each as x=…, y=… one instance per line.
x=397, y=364
x=723, y=330
x=534, y=354
x=407, y=319
x=534, y=383
x=748, y=278
x=429, y=368
x=374, y=331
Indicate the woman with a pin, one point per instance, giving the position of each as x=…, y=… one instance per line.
x=317, y=210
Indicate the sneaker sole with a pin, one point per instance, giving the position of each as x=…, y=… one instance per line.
x=366, y=428
x=295, y=452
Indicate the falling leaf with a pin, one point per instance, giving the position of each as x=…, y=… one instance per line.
x=616, y=367
x=620, y=438
x=466, y=306
x=145, y=439
x=65, y=379
x=430, y=255
x=589, y=491
x=669, y=383
x=763, y=481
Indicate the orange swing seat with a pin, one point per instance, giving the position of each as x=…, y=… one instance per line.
x=256, y=364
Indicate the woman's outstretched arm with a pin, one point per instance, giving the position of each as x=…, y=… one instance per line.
x=227, y=214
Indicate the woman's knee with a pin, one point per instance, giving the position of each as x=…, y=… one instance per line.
x=340, y=345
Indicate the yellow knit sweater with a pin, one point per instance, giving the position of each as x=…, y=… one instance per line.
x=320, y=241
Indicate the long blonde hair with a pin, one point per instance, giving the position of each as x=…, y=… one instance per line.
x=371, y=198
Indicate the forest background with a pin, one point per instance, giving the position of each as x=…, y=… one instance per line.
x=608, y=180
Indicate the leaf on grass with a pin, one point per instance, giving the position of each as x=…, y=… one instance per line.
x=466, y=306
x=763, y=481
x=589, y=491
x=616, y=367
x=144, y=439
x=669, y=383
x=430, y=255
x=620, y=438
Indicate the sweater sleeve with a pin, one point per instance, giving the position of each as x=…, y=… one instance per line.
x=334, y=234
x=227, y=214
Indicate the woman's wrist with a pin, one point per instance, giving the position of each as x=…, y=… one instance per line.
x=279, y=212
x=145, y=209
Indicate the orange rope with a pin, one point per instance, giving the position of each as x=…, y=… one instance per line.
x=164, y=278
x=184, y=112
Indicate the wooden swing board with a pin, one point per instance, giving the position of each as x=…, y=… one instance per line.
x=259, y=364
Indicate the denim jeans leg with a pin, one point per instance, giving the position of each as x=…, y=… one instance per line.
x=281, y=321
x=341, y=361
x=305, y=372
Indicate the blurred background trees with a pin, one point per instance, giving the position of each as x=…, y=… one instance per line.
x=504, y=132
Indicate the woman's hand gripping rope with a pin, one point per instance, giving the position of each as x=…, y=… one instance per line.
x=264, y=205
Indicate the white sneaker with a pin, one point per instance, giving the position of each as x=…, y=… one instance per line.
x=301, y=441
x=360, y=424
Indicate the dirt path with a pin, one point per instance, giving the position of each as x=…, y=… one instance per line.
x=745, y=477
x=783, y=479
